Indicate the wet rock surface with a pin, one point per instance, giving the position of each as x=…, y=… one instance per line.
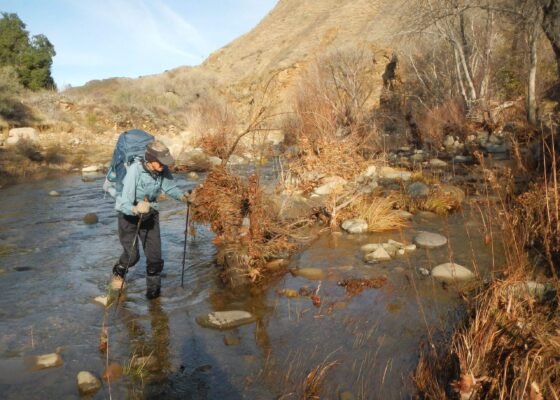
x=355, y=226
x=451, y=272
x=88, y=384
x=225, y=319
x=91, y=218
x=430, y=240
x=51, y=360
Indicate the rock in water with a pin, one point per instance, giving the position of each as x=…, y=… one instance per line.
x=225, y=319
x=90, y=219
x=88, y=383
x=192, y=176
x=54, y=193
x=378, y=255
x=91, y=168
x=314, y=274
x=370, y=247
x=355, y=226
x=231, y=340
x=46, y=361
x=451, y=272
x=430, y=240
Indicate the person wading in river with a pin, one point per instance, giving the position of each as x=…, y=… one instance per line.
x=144, y=181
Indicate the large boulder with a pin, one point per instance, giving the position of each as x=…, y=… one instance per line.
x=330, y=185
x=451, y=272
x=15, y=135
x=194, y=160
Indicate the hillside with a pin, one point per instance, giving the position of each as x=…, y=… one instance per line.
x=291, y=36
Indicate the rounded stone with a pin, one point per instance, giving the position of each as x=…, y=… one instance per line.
x=225, y=319
x=88, y=383
x=451, y=272
x=192, y=176
x=355, y=226
x=314, y=274
x=90, y=219
x=54, y=193
x=430, y=240
x=418, y=189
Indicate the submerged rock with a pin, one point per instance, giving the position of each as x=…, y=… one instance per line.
x=225, y=319
x=424, y=271
x=230, y=340
x=451, y=272
x=404, y=214
x=90, y=219
x=430, y=240
x=192, y=176
x=313, y=274
x=277, y=265
x=54, y=193
x=355, y=226
x=46, y=361
x=91, y=168
x=88, y=383
x=287, y=292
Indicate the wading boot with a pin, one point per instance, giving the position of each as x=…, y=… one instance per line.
x=153, y=286
x=117, y=279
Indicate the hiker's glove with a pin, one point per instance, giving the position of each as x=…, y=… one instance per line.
x=143, y=207
x=187, y=197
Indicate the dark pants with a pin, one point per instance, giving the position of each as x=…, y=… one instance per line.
x=150, y=239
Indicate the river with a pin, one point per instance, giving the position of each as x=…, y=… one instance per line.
x=52, y=265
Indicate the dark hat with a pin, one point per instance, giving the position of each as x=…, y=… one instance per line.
x=157, y=150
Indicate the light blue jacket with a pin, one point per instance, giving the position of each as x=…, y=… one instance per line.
x=138, y=182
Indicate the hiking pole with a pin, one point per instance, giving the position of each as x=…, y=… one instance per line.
x=185, y=245
x=130, y=255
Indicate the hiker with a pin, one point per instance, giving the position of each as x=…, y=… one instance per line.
x=144, y=181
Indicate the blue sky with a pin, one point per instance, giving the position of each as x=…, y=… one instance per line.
x=96, y=39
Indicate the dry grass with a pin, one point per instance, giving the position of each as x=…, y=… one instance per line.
x=509, y=345
x=379, y=213
x=314, y=380
x=244, y=222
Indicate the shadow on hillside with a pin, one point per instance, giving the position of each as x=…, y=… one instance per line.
x=14, y=112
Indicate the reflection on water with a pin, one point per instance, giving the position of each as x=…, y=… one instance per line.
x=52, y=266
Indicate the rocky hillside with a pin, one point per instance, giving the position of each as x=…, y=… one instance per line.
x=293, y=34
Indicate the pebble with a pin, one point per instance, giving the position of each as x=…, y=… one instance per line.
x=423, y=271
x=54, y=193
x=88, y=383
x=430, y=240
x=90, y=219
x=192, y=176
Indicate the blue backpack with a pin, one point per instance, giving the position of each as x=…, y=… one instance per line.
x=131, y=146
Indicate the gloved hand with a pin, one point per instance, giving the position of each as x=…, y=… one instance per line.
x=143, y=207
x=187, y=197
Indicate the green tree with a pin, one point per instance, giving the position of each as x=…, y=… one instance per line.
x=31, y=58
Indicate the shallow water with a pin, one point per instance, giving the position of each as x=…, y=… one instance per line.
x=52, y=265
